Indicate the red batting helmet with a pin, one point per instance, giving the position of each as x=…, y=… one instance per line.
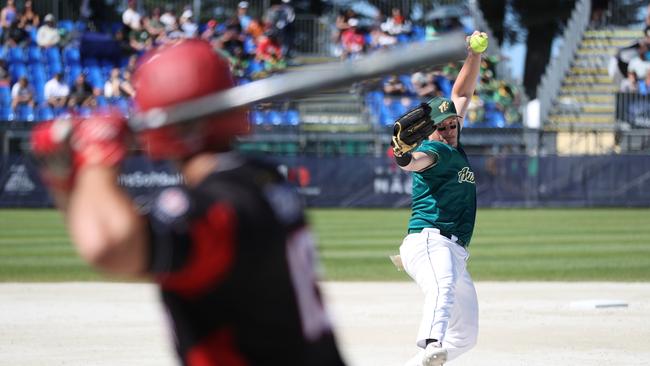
x=176, y=73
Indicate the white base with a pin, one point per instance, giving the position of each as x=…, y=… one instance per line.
x=598, y=304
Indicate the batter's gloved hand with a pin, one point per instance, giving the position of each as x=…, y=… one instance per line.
x=410, y=129
x=100, y=139
x=50, y=142
x=65, y=145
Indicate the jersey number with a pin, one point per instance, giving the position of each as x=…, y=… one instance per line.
x=301, y=259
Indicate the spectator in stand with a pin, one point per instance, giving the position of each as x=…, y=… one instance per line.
x=56, y=91
x=238, y=62
x=393, y=86
x=82, y=93
x=640, y=64
x=153, y=25
x=629, y=84
x=269, y=50
x=139, y=39
x=187, y=25
x=130, y=17
x=281, y=18
x=17, y=35
x=126, y=86
x=396, y=24
x=4, y=74
x=7, y=16
x=168, y=18
x=22, y=93
x=425, y=86
x=256, y=28
x=352, y=40
x=131, y=64
x=242, y=14
x=210, y=32
x=116, y=86
x=48, y=34
x=113, y=86
x=381, y=39
x=29, y=18
x=230, y=39
x=342, y=23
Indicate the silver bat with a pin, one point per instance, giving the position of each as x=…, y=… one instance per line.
x=307, y=80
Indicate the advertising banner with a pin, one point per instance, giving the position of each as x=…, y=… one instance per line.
x=501, y=181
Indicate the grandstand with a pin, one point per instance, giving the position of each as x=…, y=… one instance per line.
x=578, y=110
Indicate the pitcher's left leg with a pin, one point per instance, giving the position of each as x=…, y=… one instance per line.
x=462, y=332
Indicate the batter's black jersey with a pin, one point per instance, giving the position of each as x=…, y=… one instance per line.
x=235, y=263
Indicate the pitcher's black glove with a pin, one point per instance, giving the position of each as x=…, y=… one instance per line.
x=411, y=128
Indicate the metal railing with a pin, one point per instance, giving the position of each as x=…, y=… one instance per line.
x=620, y=13
x=633, y=109
x=551, y=81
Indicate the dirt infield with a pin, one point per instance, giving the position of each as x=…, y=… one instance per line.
x=521, y=324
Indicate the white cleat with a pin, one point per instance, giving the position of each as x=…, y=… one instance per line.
x=434, y=355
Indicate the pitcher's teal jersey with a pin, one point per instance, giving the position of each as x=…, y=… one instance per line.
x=444, y=195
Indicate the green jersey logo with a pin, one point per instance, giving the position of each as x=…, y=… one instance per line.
x=465, y=175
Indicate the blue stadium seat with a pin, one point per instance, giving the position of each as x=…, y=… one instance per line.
x=254, y=67
x=84, y=111
x=94, y=77
x=16, y=55
x=32, y=35
x=39, y=92
x=418, y=33
x=25, y=113
x=385, y=117
x=275, y=117
x=72, y=56
x=67, y=25
x=258, y=117
x=444, y=85
x=292, y=117
x=406, y=80
x=35, y=55
x=37, y=73
x=5, y=96
x=249, y=45
x=4, y=50
x=377, y=97
x=495, y=119
x=53, y=68
x=101, y=101
x=402, y=38
x=53, y=55
x=17, y=71
x=71, y=73
x=124, y=105
x=396, y=108
x=44, y=113
x=6, y=114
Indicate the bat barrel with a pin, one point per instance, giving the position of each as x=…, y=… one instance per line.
x=309, y=79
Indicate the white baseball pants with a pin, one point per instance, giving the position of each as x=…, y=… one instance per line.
x=450, y=313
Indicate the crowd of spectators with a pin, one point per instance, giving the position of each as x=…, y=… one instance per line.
x=256, y=46
x=354, y=34
x=633, y=62
x=495, y=103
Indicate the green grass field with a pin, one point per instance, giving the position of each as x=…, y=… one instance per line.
x=508, y=244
